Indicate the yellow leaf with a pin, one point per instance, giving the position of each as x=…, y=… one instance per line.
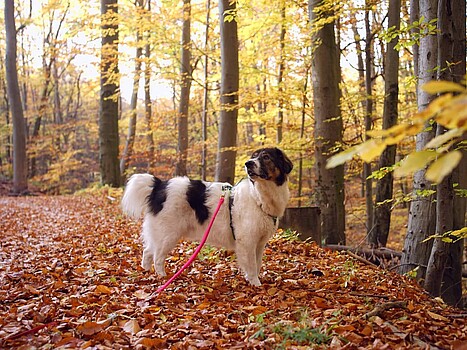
x=455, y=114
x=392, y=131
x=437, y=105
x=371, y=149
x=443, y=166
x=443, y=138
x=414, y=161
x=438, y=87
x=341, y=157
x=394, y=139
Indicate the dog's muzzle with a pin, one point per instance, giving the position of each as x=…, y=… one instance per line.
x=253, y=170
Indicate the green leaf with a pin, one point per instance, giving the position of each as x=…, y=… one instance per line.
x=443, y=166
x=438, y=87
x=415, y=161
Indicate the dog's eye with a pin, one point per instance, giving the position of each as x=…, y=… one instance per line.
x=265, y=157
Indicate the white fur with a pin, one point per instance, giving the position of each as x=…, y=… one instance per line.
x=255, y=203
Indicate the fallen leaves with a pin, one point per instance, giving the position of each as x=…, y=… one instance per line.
x=70, y=277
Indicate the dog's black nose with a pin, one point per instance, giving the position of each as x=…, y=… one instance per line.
x=249, y=163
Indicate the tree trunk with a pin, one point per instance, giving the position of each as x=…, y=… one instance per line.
x=451, y=40
x=328, y=127
x=225, y=167
x=302, y=134
x=378, y=237
x=186, y=78
x=204, y=154
x=422, y=209
x=20, y=163
x=280, y=78
x=444, y=223
x=452, y=288
x=130, y=140
x=368, y=116
x=147, y=98
x=109, y=96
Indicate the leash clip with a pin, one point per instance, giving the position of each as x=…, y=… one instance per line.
x=225, y=188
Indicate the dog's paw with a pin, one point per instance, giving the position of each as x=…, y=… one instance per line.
x=160, y=271
x=146, y=265
x=254, y=281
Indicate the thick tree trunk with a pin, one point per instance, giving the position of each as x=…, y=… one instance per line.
x=109, y=97
x=451, y=48
x=20, y=163
x=378, y=237
x=422, y=212
x=186, y=78
x=225, y=167
x=328, y=128
x=444, y=222
x=452, y=288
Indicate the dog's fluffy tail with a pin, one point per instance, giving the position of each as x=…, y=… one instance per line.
x=135, y=196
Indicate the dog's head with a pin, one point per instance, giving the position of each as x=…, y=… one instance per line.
x=269, y=164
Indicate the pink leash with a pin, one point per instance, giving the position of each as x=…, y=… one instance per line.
x=197, y=250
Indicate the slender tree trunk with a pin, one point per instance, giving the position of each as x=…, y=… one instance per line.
x=280, y=78
x=147, y=98
x=204, y=153
x=130, y=140
x=186, y=78
x=368, y=116
x=328, y=126
x=20, y=164
x=378, y=237
x=302, y=134
x=109, y=97
x=225, y=167
x=422, y=212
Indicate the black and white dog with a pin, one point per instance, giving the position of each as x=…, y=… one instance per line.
x=181, y=209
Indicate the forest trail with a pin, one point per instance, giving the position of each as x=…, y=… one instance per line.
x=70, y=277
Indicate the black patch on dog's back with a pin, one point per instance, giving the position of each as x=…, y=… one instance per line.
x=158, y=196
x=196, y=197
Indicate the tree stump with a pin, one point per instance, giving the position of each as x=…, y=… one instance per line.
x=305, y=220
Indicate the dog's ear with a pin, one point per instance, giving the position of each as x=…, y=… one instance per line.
x=284, y=162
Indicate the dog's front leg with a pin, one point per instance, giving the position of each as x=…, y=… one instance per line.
x=247, y=260
x=259, y=255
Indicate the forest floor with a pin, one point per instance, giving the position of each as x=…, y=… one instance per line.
x=71, y=278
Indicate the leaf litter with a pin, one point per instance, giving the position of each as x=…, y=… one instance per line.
x=70, y=277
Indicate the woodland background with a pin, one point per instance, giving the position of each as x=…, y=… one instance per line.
x=193, y=88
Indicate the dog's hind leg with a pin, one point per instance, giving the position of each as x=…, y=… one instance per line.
x=148, y=258
x=161, y=249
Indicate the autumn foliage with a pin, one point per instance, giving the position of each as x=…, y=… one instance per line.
x=71, y=278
